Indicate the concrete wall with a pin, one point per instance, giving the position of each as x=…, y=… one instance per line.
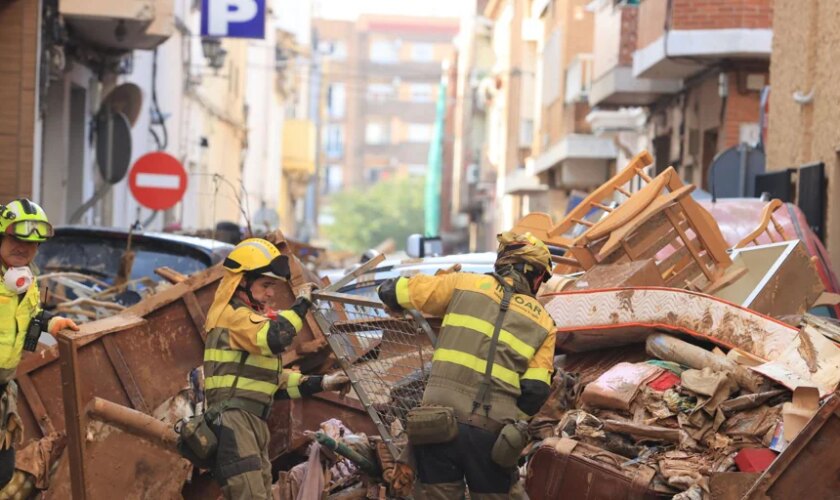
x=18, y=88
x=806, y=48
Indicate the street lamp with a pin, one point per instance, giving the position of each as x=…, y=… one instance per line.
x=213, y=52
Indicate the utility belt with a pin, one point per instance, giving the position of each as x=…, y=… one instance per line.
x=479, y=421
x=253, y=407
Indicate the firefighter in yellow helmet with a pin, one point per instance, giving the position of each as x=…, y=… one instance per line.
x=490, y=372
x=242, y=366
x=23, y=226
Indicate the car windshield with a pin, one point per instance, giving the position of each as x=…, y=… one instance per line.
x=100, y=257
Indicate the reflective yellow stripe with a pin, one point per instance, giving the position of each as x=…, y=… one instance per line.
x=226, y=356
x=246, y=384
x=540, y=374
x=481, y=326
x=293, y=318
x=262, y=339
x=293, y=387
x=403, y=297
x=473, y=363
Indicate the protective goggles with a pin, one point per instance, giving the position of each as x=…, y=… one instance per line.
x=28, y=228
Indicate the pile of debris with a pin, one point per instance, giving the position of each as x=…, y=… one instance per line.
x=688, y=366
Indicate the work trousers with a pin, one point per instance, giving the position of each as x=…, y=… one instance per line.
x=242, y=465
x=446, y=470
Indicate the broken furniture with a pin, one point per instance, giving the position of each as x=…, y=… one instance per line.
x=140, y=359
x=659, y=221
x=767, y=218
x=780, y=279
x=602, y=200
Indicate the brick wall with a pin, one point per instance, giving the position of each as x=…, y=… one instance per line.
x=740, y=108
x=629, y=26
x=19, y=42
x=721, y=14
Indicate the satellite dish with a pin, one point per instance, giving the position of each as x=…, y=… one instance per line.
x=113, y=145
x=732, y=173
x=126, y=99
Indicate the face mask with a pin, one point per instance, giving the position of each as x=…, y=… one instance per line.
x=18, y=279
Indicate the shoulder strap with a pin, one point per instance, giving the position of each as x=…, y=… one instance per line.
x=482, y=397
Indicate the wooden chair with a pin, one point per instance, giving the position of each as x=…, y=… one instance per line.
x=663, y=222
x=764, y=226
x=560, y=235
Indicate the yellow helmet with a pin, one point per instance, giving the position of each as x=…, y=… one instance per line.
x=25, y=221
x=259, y=257
x=526, y=248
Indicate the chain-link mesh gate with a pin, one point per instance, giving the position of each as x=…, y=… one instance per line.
x=387, y=359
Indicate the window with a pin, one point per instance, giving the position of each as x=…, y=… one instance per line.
x=421, y=92
x=373, y=175
x=333, y=49
x=380, y=91
x=417, y=170
x=422, y=52
x=336, y=100
x=384, y=52
x=419, y=132
x=334, y=140
x=377, y=133
x=333, y=179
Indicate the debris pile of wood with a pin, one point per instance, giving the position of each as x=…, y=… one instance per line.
x=689, y=369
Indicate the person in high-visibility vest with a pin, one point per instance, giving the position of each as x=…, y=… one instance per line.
x=243, y=372
x=491, y=370
x=23, y=226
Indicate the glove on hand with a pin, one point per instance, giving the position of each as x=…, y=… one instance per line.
x=57, y=324
x=336, y=382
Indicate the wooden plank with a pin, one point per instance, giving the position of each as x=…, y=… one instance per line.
x=196, y=314
x=73, y=414
x=132, y=390
x=36, y=405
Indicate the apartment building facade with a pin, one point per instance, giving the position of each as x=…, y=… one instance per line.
x=381, y=78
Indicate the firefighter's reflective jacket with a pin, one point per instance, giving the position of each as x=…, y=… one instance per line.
x=239, y=332
x=469, y=306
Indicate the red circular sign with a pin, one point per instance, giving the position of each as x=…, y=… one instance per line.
x=157, y=181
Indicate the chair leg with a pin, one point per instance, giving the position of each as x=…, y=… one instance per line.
x=684, y=237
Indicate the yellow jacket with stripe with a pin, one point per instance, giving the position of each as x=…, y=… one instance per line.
x=16, y=312
x=469, y=304
x=242, y=333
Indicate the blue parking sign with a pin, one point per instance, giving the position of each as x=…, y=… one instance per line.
x=233, y=18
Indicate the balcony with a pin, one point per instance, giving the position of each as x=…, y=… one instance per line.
x=415, y=112
x=613, y=82
x=579, y=161
x=123, y=25
x=522, y=181
x=678, y=38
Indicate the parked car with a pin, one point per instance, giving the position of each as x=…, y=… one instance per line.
x=96, y=251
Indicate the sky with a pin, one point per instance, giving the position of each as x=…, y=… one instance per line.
x=350, y=9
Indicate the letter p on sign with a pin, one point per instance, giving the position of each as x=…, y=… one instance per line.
x=233, y=18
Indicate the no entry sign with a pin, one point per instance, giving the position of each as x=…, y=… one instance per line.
x=157, y=181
